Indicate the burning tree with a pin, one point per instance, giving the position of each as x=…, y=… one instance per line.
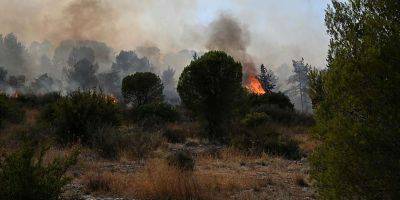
x=299, y=84
x=267, y=78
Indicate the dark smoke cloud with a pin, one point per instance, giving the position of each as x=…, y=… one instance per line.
x=227, y=34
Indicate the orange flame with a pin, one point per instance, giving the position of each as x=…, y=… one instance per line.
x=113, y=99
x=254, y=85
x=15, y=94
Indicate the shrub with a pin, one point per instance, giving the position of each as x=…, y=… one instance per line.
x=107, y=142
x=155, y=114
x=24, y=177
x=140, y=144
x=10, y=111
x=255, y=119
x=33, y=100
x=278, y=99
x=265, y=139
x=209, y=87
x=77, y=115
x=181, y=159
x=174, y=135
x=142, y=88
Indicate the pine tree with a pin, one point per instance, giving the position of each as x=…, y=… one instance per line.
x=268, y=79
x=358, y=119
x=300, y=85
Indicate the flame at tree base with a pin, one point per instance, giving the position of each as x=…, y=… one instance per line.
x=254, y=85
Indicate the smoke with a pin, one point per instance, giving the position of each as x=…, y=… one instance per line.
x=166, y=32
x=228, y=35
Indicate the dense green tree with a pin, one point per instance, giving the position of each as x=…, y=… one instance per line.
x=358, y=120
x=209, y=87
x=316, y=86
x=142, y=88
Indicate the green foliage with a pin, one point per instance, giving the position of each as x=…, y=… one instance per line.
x=209, y=87
x=181, y=159
x=142, y=88
x=265, y=139
x=25, y=177
x=174, y=135
x=316, y=86
x=76, y=116
x=278, y=99
x=10, y=111
x=358, y=120
x=107, y=142
x=155, y=114
x=255, y=119
x=32, y=100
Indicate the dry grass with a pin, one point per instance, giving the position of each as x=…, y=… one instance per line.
x=158, y=180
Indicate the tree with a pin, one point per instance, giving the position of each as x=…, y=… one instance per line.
x=142, y=88
x=316, y=86
x=299, y=84
x=170, y=86
x=83, y=74
x=358, y=119
x=268, y=79
x=3, y=75
x=209, y=87
x=128, y=62
x=78, y=54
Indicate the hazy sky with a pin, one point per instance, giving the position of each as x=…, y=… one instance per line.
x=279, y=30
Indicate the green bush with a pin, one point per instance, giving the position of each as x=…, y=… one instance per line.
x=181, y=159
x=255, y=119
x=174, y=135
x=24, y=177
x=10, y=111
x=264, y=139
x=153, y=114
x=76, y=116
x=107, y=142
x=278, y=99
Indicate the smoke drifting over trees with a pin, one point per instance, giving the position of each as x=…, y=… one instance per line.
x=61, y=33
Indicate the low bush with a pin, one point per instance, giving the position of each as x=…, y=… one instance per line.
x=255, y=119
x=174, y=135
x=265, y=139
x=10, y=111
x=33, y=100
x=76, y=116
x=181, y=159
x=24, y=176
x=149, y=115
x=107, y=142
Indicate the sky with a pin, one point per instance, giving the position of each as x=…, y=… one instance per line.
x=278, y=30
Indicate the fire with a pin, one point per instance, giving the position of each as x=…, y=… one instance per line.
x=15, y=94
x=112, y=98
x=254, y=85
